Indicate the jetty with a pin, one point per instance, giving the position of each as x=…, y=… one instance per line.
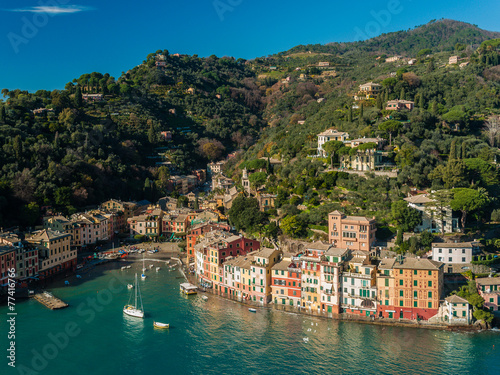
x=48, y=300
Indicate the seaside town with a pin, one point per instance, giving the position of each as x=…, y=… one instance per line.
x=346, y=274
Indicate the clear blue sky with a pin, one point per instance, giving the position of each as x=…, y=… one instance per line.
x=43, y=50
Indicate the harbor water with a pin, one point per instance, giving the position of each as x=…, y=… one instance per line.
x=93, y=336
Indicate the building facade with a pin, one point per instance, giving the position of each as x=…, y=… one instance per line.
x=351, y=232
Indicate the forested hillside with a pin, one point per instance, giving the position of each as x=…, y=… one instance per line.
x=76, y=152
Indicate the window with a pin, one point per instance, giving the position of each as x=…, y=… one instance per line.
x=400, y=282
x=429, y=295
x=463, y=259
x=430, y=283
x=415, y=294
x=401, y=293
x=415, y=272
x=401, y=303
x=430, y=273
x=386, y=282
x=415, y=283
x=450, y=259
x=400, y=272
x=429, y=305
x=415, y=304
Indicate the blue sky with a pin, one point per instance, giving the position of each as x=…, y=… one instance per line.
x=47, y=43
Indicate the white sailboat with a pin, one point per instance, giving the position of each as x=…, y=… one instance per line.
x=135, y=309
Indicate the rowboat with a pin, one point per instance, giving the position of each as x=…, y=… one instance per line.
x=161, y=325
x=252, y=310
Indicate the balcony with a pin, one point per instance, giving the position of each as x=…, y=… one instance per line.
x=356, y=275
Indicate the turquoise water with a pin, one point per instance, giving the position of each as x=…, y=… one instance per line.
x=220, y=337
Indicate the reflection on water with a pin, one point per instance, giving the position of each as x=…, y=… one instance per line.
x=222, y=337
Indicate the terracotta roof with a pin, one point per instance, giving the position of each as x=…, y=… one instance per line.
x=281, y=266
x=420, y=199
x=419, y=264
x=265, y=252
x=318, y=245
x=48, y=235
x=336, y=252
x=488, y=281
x=456, y=299
x=455, y=244
x=387, y=263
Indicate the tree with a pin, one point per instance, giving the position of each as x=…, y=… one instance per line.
x=430, y=66
x=389, y=127
x=453, y=174
x=361, y=111
x=210, y=149
x=272, y=231
x=182, y=201
x=196, y=204
x=3, y=115
x=349, y=118
x=331, y=147
x=453, y=150
x=407, y=218
x=426, y=239
x=402, y=94
x=467, y=201
x=293, y=226
x=151, y=134
x=245, y=214
x=78, y=97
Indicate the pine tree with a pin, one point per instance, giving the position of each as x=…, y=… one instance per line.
x=361, y=111
x=196, y=204
x=2, y=114
x=464, y=151
x=78, y=97
x=350, y=113
x=402, y=95
x=434, y=108
x=386, y=96
x=268, y=166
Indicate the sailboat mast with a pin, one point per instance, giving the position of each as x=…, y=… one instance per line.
x=136, y=286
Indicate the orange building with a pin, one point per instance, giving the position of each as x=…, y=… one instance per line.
x=351, y=232
x=418, y=287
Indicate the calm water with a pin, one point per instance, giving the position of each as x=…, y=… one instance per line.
x=221, y=337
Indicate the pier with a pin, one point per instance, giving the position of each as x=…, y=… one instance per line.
x=48, y=300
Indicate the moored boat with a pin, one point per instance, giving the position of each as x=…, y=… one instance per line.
x=135, y=310
x=130, y=286
x=157, y=269
x=161, y=325
x=204, y=298
x=252, y=310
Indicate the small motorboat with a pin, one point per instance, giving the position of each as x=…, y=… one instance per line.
x=78, y=276
x=143, y=277
x=161, y=325
x=252, y=310
x=151, y=266
x=130, y=286
x=128, y=267
x=204, y=298
x=157, y=269
x=124, y=268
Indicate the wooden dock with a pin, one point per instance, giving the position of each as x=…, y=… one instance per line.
x=48, y=300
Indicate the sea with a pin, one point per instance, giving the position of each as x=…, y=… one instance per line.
x=217, y=336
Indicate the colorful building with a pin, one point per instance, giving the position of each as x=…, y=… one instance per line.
x=359, y=286
x=489, y=289
x=261, y=266
x=54, y=252
x=351, y=232
x=331, y=268
x=419, y=288
x=7, y=263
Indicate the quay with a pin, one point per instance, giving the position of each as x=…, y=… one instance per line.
x=48, y=300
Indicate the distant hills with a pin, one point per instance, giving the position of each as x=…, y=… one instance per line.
x=440, y=35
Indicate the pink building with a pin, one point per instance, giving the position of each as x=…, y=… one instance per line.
x=489, y=289
x=351, y=232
